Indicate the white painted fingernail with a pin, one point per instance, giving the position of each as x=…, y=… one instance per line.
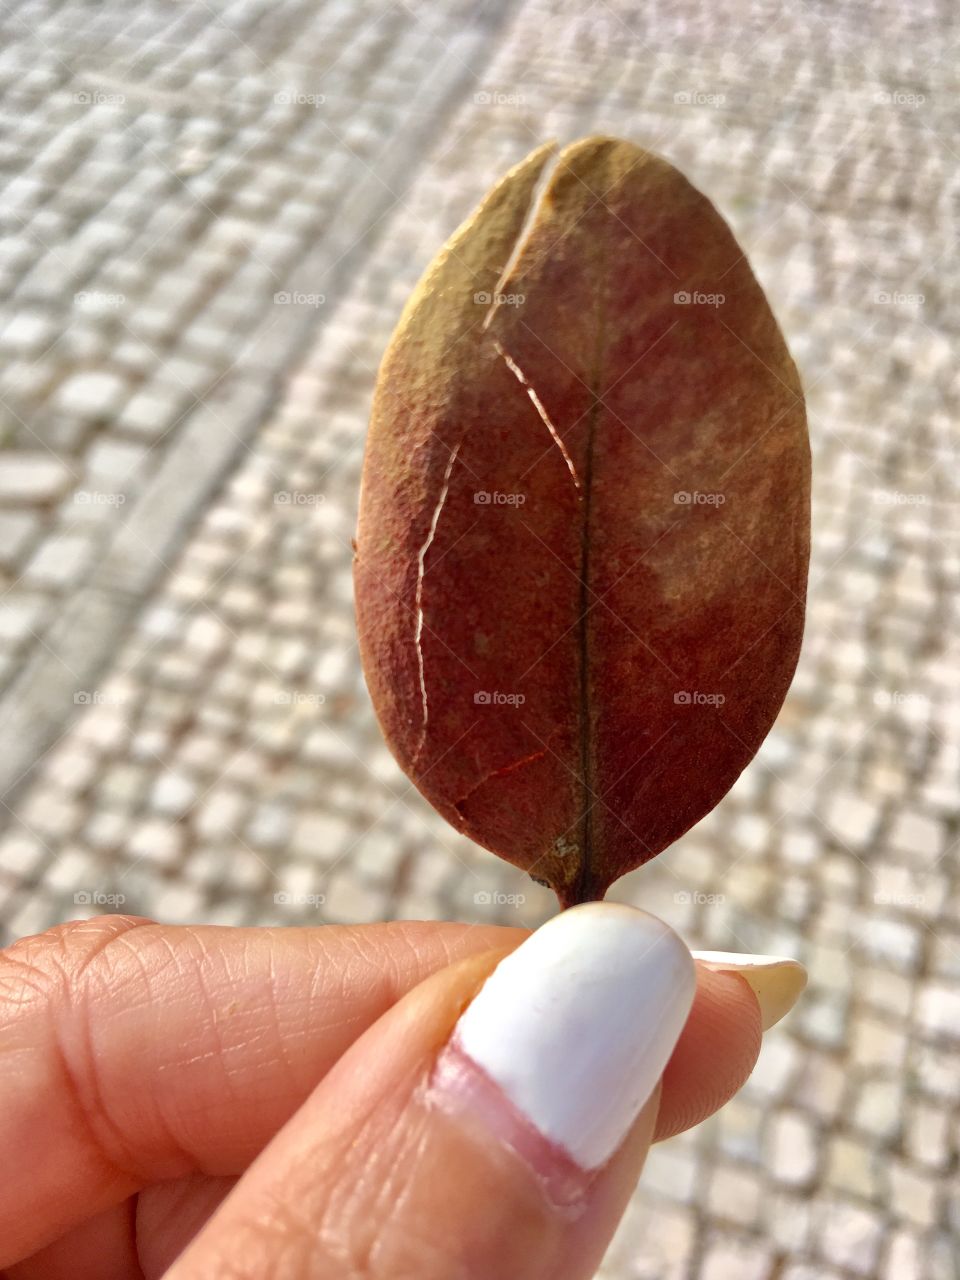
x=576, y=1026
x=776, y=981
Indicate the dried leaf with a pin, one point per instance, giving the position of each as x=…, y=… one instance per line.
x=584, y=523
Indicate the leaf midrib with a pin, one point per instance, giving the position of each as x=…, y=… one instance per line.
x=584, y=887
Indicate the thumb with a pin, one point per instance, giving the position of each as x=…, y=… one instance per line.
x=474, y=1135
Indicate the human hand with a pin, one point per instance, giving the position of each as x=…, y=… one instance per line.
x=268, y=1102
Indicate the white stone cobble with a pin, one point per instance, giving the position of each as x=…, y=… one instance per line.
x=58, y=562
x=92, y=395
x=33, y=478
x=18, y=529
x=940, y=1012
x=793, y=1146
x=734, y=1259
x=30, y=333
x=849, y=1237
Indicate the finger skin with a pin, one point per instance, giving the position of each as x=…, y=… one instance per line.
x=714, y=1055
x=369, y=1181
x=136, y=1240
x=132, y=1052
x=225, y=1032
x=103, y=1247
x=170, y=1215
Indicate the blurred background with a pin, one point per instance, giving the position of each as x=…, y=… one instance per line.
x=211, y=215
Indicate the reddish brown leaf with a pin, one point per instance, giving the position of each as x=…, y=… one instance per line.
x=584, y=524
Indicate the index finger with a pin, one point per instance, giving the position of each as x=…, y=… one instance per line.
x=132, y=1052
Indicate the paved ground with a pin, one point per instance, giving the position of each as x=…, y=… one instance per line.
x=212, y=214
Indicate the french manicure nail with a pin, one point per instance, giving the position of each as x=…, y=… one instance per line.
x=575, y=1027
x=776, y=981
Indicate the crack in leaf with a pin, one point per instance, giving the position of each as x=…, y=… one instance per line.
x=540, y=408
x=499, y=773
x=421, y=570
x=537, y=198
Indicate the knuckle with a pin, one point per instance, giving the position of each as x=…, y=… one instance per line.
x=43, y=967
x=45, y=985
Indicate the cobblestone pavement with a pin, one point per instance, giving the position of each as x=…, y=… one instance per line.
x=186, y=732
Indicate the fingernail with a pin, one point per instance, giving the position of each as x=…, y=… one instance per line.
x=776, y=981
x=575, y=1027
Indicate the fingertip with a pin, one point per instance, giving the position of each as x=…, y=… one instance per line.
x=715, y=1054
x=776, y=981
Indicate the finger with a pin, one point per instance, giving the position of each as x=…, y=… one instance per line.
x=101, y=1248
x=132, y=1052
x=738, y=997
x=225, y=1031
x=503, y=1142
x=713, y=1057
x=170, y=1214
x=139, y=1238
x=723, y=1029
